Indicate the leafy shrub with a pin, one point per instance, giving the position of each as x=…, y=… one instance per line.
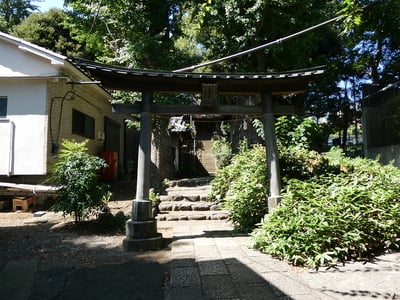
x=77, y=175
x=302, y=132
x=110, y=223
x=335, y=217
x=222, y=151
x=299, y=132
x=222, y=181
x=243, y=185
x=243, y=188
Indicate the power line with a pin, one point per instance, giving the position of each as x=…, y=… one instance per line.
x=278, y=41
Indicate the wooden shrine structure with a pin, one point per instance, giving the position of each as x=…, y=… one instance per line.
x=141, y=229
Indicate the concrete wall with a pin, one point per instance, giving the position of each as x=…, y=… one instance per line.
x=40, y=101
x=380, y=119
x=38, y=116
x=24, y=130
x=87, y=100
x=206, y=157
x=17, y=60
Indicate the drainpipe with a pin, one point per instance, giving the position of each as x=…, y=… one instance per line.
x=11, y=146
x=11, y=154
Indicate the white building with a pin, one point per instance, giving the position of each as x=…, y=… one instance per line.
x=44, y=99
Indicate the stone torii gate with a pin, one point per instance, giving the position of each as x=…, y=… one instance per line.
x=141, y=229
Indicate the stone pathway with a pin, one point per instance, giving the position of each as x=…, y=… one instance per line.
x=210, y=261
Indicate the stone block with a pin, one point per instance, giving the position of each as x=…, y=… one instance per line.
x=165, y=206
x=201, y=206
x=141, y=229
x=197, y=217
x=148, y=244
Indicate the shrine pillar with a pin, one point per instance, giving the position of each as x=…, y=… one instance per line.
x=141, y=229
x=272, y=152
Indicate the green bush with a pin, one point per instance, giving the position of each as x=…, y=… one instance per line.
x=303, y=164
x=302, y=132
x=243, y=185
x=222, y=151
x=243, y=188
x=335, y=217
x=77, y=175
x=109, y=223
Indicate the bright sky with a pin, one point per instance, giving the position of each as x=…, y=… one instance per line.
x=45, y=5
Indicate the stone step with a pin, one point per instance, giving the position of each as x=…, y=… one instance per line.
x=185, y=190
x=191, y=194
x=190, y=182
x=188, y=206
x=189, y=198
x=192, y=215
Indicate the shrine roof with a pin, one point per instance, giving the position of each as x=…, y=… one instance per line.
x=122, y=78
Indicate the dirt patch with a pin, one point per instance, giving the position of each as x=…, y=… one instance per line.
x=54, y=238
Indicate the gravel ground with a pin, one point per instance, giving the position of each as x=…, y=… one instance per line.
x=54, y=238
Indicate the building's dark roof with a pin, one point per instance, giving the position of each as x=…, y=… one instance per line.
x=120, y=78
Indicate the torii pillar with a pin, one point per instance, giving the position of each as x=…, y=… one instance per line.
x=141, y=229
x=272, y=152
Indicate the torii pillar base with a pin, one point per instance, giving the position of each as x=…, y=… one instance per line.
x=141, y=230
x=273, y=203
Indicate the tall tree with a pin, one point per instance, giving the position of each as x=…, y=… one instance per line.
x=14, y=11
x=229, y=26
x=51, y=31
x=369, y=54
x=140, y=34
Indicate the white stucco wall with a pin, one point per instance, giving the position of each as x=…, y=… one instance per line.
x=26, y=114
x=17, y=60
x=34, y=80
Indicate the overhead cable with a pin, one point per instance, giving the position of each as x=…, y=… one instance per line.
x=278, y=41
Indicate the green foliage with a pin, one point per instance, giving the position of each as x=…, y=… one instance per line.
x=221, y=183
x=351, y=14
x=77, y=175
x=222, y=151
x=300, y=132
x=230, y=26
x=151, y=29
x=110, y=223
x=302, y=164
x=243, y=188
x=51, y=31
x=154, y=197
x=335, y=217
x=12, y=12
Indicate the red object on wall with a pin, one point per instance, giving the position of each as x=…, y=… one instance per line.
x=111, y=172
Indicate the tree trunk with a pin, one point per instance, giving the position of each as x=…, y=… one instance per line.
x=161, y=155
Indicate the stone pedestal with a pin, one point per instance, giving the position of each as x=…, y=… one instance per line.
x=141, y=230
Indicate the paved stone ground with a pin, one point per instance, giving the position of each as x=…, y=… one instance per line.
x=208, y=261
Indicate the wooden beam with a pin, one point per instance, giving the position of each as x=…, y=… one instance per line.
x=167, y=109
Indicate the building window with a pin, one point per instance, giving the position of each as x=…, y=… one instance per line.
x=3, y=106
x=82, y=124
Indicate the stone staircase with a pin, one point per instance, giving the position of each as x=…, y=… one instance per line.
x=187, y=199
